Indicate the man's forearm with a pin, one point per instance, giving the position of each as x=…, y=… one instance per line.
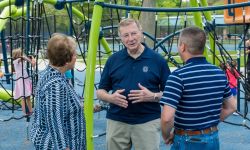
x=167, y=121
x=225, y=113
x=228, y=107
x=103, y=95
x=166, y=129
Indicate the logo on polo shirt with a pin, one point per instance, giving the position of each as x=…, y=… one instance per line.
x=145, y=69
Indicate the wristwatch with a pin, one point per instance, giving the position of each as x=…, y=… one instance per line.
x=156, y=98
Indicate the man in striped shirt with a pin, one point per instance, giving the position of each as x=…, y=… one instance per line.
x=196, y=97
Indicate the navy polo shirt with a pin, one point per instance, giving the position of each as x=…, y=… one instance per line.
x=121, y=71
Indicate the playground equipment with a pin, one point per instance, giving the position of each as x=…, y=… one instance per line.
x=236, y=15
x=95, y=43
x=5, y=95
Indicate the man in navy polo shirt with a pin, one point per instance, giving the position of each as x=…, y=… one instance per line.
x=136, y=76
x=196, y=98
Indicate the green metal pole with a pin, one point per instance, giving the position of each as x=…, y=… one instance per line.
x=90, y=74
x=6, y=13
x=105, y=45
x=197, y=15
x=211, y=38
x=206, y=13
x=79, y=14
x=198, y=20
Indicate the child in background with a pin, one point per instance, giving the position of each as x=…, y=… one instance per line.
x=232, y=76
x=23, y=86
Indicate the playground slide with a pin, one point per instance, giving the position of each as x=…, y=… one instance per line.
x=5, y=95
x=6, y=13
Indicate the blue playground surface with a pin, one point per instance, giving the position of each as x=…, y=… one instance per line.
x=13, y=133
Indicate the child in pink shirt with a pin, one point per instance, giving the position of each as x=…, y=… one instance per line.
x=23, y=85
x=232, y=76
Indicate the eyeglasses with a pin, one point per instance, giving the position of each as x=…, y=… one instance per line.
x=132, y=34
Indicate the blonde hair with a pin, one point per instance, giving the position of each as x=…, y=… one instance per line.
x=16, y=53
x=194, y=38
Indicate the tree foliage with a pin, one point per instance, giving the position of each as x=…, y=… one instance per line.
x=113, y=15
x=168, y=3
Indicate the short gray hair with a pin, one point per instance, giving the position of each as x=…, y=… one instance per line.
x=194, y=38
x=128, y=21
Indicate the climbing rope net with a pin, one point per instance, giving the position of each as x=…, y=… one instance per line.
x=29, y=26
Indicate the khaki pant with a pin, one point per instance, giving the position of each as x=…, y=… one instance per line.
x=121, y=136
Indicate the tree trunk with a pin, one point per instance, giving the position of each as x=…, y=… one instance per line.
x=147, y=20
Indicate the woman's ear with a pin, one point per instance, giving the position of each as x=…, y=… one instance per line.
x=66, y=65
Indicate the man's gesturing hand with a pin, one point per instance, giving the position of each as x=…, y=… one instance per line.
x=119, y=99
x=142, y=95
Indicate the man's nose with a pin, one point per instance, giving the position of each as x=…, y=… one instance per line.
x=130, y=37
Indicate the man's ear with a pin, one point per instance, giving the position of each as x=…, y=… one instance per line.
x=182, y=47
x=142, y=36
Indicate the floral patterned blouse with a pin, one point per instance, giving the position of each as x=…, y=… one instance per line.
x=59, y=121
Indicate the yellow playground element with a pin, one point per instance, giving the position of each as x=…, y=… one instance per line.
x=5, y=95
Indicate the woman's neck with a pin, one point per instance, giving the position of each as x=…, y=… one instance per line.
x=61, y=69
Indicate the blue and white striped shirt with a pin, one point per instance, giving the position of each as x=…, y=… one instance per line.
x=196, y=91
x=59, y=121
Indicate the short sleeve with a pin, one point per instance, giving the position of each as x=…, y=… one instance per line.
x=173, y=91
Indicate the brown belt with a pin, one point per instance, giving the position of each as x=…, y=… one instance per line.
x=195, y=132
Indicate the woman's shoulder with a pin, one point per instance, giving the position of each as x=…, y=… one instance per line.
x=51, y=76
